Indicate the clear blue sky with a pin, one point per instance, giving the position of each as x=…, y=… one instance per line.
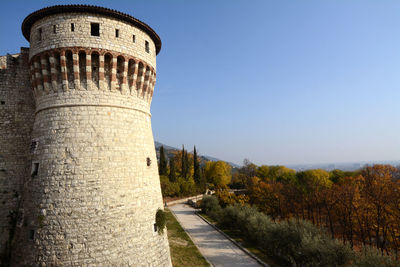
x=277, y=82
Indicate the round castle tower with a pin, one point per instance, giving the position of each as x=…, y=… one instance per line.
x=94, y=188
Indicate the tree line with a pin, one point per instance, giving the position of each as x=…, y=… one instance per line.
x=362, y=207
x=185, y=174
x=292, y=242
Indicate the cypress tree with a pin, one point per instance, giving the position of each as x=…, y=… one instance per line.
x=163, y=162
x=172, y=174
x=203, y=182
x=183, y=161
x=196, y=167
x=185, y=165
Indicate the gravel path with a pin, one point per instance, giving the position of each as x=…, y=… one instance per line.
x=216, y=248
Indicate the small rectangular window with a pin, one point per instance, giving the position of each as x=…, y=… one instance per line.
x=40, y=34
x=94, y=29
x=34, y=146
x=32, y=234
x=147, y=46
x=3, y=102
x=148, y=161
x=72, y=27
x=54, y=28
x=133, y=38
x=35, y=169
x=116, y=33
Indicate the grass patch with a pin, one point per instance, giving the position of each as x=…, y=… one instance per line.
x=236, y=235
x=183, y=251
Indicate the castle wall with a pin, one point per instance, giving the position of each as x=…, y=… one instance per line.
x=16, y=121
x=81, y=36
x=93, y=188
x=94, y=198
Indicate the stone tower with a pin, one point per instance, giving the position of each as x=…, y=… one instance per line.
x=93, y=189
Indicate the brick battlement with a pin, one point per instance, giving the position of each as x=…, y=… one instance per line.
x=86, y=69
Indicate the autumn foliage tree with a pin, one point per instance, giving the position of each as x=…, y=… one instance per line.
x=185, y=175
x=361, y=208
x=218, y=173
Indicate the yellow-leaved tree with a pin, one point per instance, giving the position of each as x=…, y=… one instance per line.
x=218, y=173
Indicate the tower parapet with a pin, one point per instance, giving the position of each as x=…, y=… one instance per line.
x=82, y=76
x=94, y=187
x=80, y=47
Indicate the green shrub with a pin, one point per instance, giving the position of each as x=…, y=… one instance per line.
x=300, y=243
x=187, y=187
x=161, y=221
x=281, y=241
x=321, y=250
x=229, y=218
x=216, y=213
x=258, y=226
x=208, y=203
x=371, y=257
x=292, y=242
x=180, y=188
x=211, y=207
x=169, y=189
x=245, y=213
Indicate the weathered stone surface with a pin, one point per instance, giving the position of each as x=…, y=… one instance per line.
x=16, y=121
x=87, y=195
x=81, y=37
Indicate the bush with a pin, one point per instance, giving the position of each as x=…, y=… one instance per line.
x=281, y=241
x=208, y=203
x=245, y=213
x=300, y=243
x=168, y=188
x=161, y=221
x=371, y=257
x=216, y=213
x=252, y=223
x=229, y=218
x=258, y=227
x=211, y=207
x=180, y=188
x=292, y=242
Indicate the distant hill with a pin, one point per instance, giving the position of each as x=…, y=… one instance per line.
x=344, y=166
x=169, y=150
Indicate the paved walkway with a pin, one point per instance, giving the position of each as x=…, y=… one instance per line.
x=218, y=250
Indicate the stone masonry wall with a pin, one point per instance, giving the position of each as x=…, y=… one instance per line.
x=81, y=36
x=94, y=198
x=16, y=121
x=93, y=189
